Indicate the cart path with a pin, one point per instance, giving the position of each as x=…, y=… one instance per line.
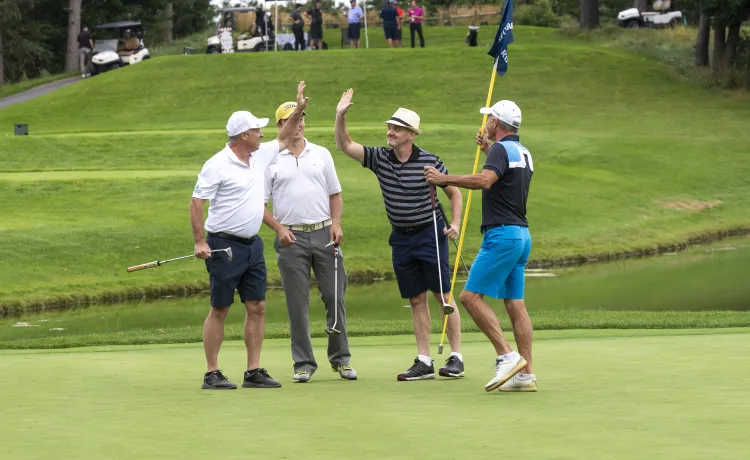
x=37, y=91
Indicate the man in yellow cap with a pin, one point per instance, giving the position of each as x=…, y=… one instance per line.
x=307, y=207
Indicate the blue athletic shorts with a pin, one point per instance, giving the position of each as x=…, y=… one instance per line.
x=415, y=261
x=498, y=269
x=245, y=273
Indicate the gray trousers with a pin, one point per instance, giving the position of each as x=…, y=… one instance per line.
x=295, y=262
x=84, y=57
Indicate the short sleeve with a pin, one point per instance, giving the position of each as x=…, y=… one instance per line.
x=372, y=157
x=268, y=153
x=332, y=179
x=268, y=184
x=208, y=183
x=497, y=160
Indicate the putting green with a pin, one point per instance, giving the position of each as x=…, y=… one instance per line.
x=604, y=394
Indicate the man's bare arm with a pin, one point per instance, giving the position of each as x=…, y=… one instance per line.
x=196, y=223
x=343, y=140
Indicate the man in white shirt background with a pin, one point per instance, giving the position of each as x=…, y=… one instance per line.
x=233, y=181
x=307, y=207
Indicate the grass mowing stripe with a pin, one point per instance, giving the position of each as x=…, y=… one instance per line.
x=92, y=175
x=542, y=320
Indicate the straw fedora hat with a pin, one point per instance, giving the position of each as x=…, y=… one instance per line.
x=406, y=118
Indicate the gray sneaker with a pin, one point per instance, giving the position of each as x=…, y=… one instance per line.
x=301, y=376
x=346, y=371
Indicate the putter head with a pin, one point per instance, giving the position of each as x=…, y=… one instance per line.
x=229, y=254
x=330, y=330
x=440, y=349
x=448, y=309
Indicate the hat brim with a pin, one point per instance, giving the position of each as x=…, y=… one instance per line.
x=304, y=114
x=262, y=123
x=486, y=110
x=410, y=128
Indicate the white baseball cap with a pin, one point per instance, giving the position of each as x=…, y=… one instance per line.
x=241, y=121
x=505, y=111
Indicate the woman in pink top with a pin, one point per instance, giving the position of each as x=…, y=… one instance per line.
x=416, y=14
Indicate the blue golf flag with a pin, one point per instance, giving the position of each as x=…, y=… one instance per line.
x=503, y=38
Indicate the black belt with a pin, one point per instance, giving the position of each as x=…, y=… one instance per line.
x=412, y=230
x=235, y=238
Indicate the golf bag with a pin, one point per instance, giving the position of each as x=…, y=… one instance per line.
x=471, y=37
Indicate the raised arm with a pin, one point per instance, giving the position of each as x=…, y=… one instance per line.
x=343, y=141
x=290, y=127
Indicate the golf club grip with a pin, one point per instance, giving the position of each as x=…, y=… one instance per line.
x=143, y=266
x=433, y=198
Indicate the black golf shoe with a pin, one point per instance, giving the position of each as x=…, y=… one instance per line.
x=216, y=381
x=259, y=378
x=419, y=371
x=454, y=367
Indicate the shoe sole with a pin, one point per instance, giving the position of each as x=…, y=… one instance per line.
x=348, y=378
x=259, y=385
x=521, y=364
x=449, y=374
x=301, y=381
x=409, y=379
x=523, y=389
x=211, y=387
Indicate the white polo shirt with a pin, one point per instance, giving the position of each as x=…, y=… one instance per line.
x=301, y=186
x=235, y=190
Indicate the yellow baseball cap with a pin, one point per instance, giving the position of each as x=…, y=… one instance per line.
x=285, y=110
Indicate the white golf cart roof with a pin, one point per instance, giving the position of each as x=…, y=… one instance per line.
x=120, y=25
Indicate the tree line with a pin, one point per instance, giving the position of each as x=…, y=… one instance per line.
x=39, y=36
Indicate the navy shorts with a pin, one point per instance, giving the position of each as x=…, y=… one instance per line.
x=390, y=33
x=245, y=273
x=353, y=31
x=415, y=261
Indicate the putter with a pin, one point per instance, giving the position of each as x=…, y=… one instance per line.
x=445, y=219
x=332, y=329
x=157, y=263
x=447, y=308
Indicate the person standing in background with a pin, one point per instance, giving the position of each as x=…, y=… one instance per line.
x=416, y=15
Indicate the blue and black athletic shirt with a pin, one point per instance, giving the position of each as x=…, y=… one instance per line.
x=504, y=203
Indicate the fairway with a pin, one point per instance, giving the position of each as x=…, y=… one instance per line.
x=605, y=394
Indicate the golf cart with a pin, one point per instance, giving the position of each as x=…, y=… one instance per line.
x=119, y=44
x=256, y=31
x=663, y=15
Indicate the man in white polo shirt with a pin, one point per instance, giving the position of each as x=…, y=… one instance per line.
x=233, y=180
x=306, y=217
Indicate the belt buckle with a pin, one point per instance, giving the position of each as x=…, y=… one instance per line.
x=308, y=227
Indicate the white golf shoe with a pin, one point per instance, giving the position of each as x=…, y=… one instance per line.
x=505, y=369
x=518, y=384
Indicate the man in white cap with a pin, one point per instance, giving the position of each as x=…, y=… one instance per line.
x=233, y=181
x=400, y=172
x=498, y=269
x=307, y=208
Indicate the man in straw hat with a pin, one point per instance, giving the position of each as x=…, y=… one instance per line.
x=498, y=269
x=307, y=208
x=400, y=172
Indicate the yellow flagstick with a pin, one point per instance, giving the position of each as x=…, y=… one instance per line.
x=466, y=211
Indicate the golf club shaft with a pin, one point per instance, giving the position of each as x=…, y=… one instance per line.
x=157, y=263
x=447, y=308
x=445, y=219
x=335, y=286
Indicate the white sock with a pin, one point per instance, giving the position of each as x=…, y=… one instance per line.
x=507, y=357
x=425, y=359
x=460, y=357
x=523, y=376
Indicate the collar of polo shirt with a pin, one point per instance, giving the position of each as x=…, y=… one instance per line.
x=305, y=150
x=414, y=154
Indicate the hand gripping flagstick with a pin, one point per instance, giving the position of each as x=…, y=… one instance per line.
x=499, y=51
x=158, y=263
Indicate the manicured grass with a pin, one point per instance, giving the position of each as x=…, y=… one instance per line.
x=601, y=395
x=620, y=152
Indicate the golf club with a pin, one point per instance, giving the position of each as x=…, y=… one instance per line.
x=157, y=263
x=447, y=308
x=333, y=329
x=445, y=219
